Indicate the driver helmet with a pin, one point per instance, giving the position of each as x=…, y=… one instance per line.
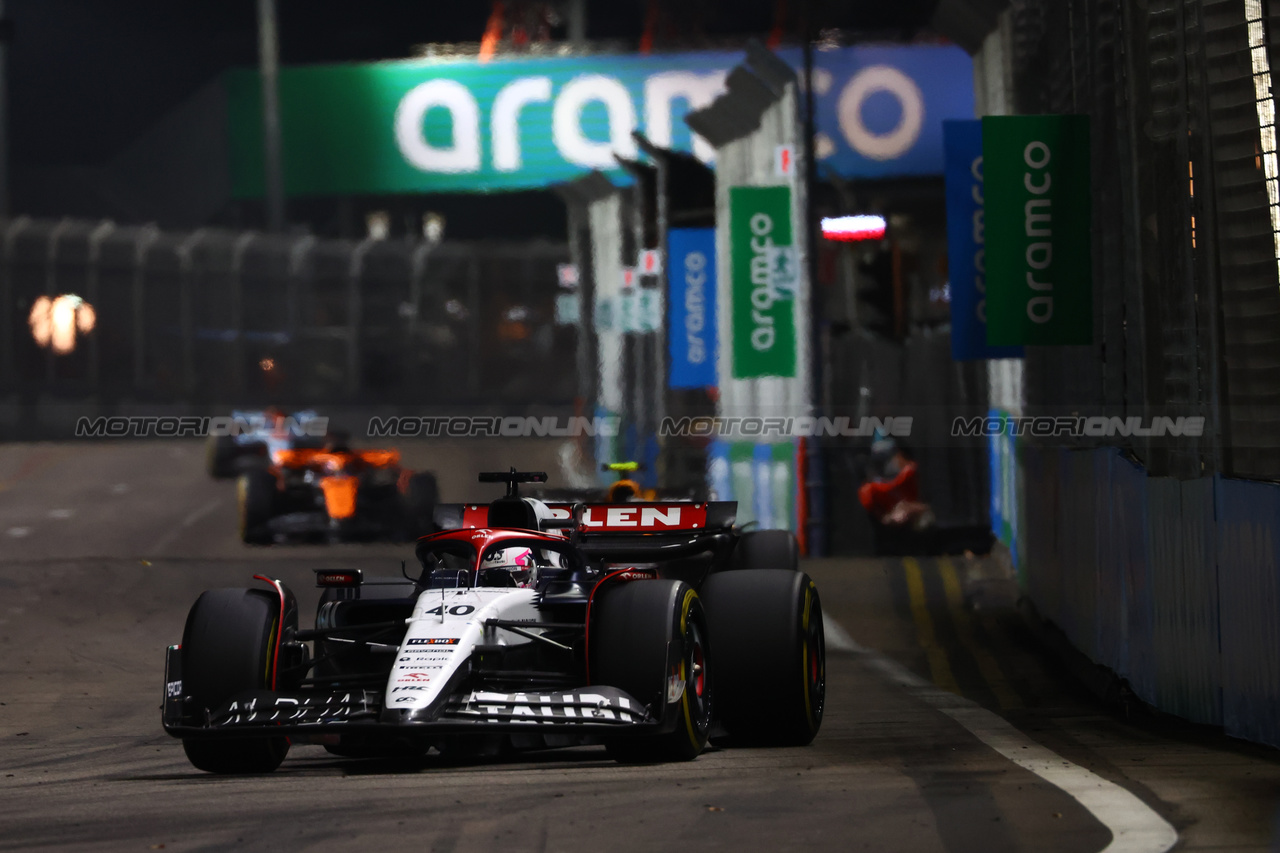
x=337, y=441
x=518, y=562
x=623, y=491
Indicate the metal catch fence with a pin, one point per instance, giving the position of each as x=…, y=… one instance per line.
x=211, y=318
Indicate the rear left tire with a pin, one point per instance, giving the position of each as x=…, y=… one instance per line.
x=228, y=647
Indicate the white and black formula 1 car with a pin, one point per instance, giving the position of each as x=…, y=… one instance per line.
x=646, y=627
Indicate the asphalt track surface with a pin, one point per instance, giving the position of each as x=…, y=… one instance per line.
x=103, y=547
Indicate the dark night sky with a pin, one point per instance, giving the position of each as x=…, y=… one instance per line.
x=87, y=76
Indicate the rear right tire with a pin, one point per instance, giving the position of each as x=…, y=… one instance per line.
x=767, y=549
x=420, y=499
x=228, y=647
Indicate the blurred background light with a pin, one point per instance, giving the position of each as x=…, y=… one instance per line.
x=56, y=322
x=848, y=229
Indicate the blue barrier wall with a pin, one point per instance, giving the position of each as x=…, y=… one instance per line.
x=1172, y=584
x=1128, y=542
x=1183, y=541
x=1112, y=627
x=1250, y=608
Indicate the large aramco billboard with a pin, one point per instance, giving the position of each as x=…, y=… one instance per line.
x=424, y=126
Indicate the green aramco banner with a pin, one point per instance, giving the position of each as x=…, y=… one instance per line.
x=1038, y=255
x=764, y=279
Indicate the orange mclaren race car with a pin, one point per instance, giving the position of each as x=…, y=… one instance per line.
x=335, y=494
x=625, y=488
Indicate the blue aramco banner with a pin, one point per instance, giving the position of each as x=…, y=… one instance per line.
x=966, y=244
x=880, y=110
x=510, y=124
x=691, y=283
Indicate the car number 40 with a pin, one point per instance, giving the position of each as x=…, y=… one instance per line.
x=455, y=610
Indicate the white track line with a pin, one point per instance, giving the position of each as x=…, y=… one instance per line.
x=1135, y=826
x=172, y=535
x=838, y=638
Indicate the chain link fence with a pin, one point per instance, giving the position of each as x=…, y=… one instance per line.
x=211, y=318
x=1187, y=304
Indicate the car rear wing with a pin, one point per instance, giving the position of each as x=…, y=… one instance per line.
x=682, y=517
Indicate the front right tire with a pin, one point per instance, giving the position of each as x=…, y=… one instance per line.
x=770, y=655
x=228, y=647
x=220, y=456
x=647, y=638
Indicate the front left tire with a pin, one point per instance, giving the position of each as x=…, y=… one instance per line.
x=256, y=495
